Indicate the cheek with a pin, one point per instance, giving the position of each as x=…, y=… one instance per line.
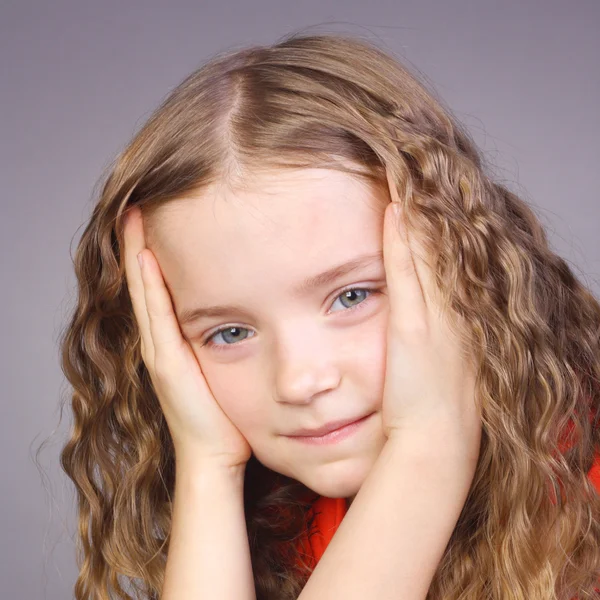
x=366, y=354
x=235, y=390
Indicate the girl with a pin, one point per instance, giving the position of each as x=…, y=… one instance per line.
x=290, y=360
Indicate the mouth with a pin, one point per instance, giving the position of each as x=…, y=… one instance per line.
x=332, y=436
x=324, y=429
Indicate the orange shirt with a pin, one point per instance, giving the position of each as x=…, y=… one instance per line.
x=329, y=513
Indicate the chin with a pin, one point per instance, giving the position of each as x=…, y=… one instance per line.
x=339, y=477
x=333, y=491
x=336, y=480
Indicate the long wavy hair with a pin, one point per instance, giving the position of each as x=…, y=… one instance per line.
x=530, y=528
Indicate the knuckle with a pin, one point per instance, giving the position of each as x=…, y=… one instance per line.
x=157, y=315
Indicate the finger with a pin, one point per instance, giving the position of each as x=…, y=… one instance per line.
x=408, y=308
x=133, y=235
x=164, y=327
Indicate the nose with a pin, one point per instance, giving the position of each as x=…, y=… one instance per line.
x=302, y=375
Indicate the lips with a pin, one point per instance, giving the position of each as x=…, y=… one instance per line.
x=323, y=430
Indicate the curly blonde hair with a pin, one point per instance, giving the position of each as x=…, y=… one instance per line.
x=530, y=528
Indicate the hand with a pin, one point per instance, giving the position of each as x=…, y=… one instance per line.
x=429, y=383
x=199, y=428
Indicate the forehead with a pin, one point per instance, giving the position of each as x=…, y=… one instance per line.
x=287, y=225
x=279, y=204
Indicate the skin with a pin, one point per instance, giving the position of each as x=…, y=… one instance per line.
x=296, y=361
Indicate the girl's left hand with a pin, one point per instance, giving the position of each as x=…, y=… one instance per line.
x=429, y=386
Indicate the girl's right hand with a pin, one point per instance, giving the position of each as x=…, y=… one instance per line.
x=199, y=428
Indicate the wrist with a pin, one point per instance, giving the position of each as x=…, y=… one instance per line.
x=193, y=467
x=446, y=438
x=193, y=453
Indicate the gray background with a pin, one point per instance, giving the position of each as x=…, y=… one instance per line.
x=78, y=78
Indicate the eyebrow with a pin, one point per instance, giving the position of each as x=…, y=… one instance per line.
x=307, y=287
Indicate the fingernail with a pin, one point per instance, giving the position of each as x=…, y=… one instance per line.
x=140, y=260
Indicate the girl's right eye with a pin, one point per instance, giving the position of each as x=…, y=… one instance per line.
x=223, y=330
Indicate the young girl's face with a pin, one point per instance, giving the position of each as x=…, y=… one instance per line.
x=289, y=357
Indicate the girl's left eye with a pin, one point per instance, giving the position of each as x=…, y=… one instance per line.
x=346, y=294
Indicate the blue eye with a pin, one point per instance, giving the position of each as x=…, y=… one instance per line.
x=348, y=295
